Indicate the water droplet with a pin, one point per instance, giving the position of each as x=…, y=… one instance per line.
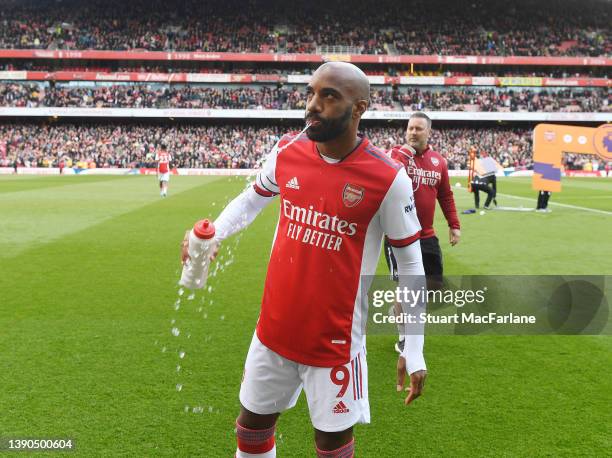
x=191, y=297
x=163, y=349
x=189, y=336
x=172, y=321
x=186, y=409
x=209, y=289
x=176, y=332
x=181, y=291
x=181, y=354
x=205, y=315
x=178, y=368
x=222, y=317
x=179, y=387
x=213, y=204
x=199, y=309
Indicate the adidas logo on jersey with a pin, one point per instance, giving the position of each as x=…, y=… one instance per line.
x=293, y=183
x=340, y=408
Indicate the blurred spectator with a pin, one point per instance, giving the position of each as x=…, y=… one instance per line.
x=450, y=98
x=443, y=27
x=224, y=146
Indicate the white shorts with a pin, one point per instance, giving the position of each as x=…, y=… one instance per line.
x=164, y=176
x=337, y=397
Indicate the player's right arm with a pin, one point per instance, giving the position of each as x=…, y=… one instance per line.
x=241, y=211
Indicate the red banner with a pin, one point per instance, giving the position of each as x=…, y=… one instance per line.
x=585, y=173
x=578, y=82
x=458, y=81
x=268, y=57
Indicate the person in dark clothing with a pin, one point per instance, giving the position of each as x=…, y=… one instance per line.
x=486, y=184
x=543, y=197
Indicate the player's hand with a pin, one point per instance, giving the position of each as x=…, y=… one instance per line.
x=417, y=381
x=454, y=235
x=214, y=250
x=185, y=248
x=406, y=146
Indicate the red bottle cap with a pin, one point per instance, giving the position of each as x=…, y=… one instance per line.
x=204, y=229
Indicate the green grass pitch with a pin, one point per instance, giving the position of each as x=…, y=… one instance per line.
x=88, y=272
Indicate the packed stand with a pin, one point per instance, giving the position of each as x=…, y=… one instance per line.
x=442, y=27
x=225, y=146
x=543, y=100
x=292, y=98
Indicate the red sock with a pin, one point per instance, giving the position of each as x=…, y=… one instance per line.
x=346, y=451
x=254, y=441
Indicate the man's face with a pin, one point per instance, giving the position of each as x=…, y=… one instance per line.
x=417, y=133
x=328, y=107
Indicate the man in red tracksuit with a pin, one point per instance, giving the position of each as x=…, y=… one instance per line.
x=429, y=174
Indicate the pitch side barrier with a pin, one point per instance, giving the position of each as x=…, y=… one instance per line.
x=187, y=113
x=508, y=172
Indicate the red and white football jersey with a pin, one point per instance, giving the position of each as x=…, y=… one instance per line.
x=332, y=220
x=163, y=162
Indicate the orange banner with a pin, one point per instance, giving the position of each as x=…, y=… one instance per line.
x=550, y=141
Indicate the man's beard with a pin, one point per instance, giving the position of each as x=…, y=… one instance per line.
x=329, y=129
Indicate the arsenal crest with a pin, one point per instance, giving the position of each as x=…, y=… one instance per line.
x=549, y=135
x=352, y=195
x=435, y=161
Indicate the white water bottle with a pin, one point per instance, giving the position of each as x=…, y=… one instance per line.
x=195, y=270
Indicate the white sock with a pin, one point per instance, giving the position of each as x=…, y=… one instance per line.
x=269, y=454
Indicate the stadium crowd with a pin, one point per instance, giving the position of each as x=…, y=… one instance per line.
x=220, y=146
x=477, y=27
x=292, y=98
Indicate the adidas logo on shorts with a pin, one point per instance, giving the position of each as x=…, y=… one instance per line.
x=293, y=183
x=340, y=408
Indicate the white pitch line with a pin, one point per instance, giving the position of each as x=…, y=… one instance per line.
x=575, y=207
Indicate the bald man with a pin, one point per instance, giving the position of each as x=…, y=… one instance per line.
x=339, y=195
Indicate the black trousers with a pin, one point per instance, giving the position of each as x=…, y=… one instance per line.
x=543, y=197
x=489, y=191
x=432, y=261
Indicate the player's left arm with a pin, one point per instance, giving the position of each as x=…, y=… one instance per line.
x=446, y=199
x=399, y=221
